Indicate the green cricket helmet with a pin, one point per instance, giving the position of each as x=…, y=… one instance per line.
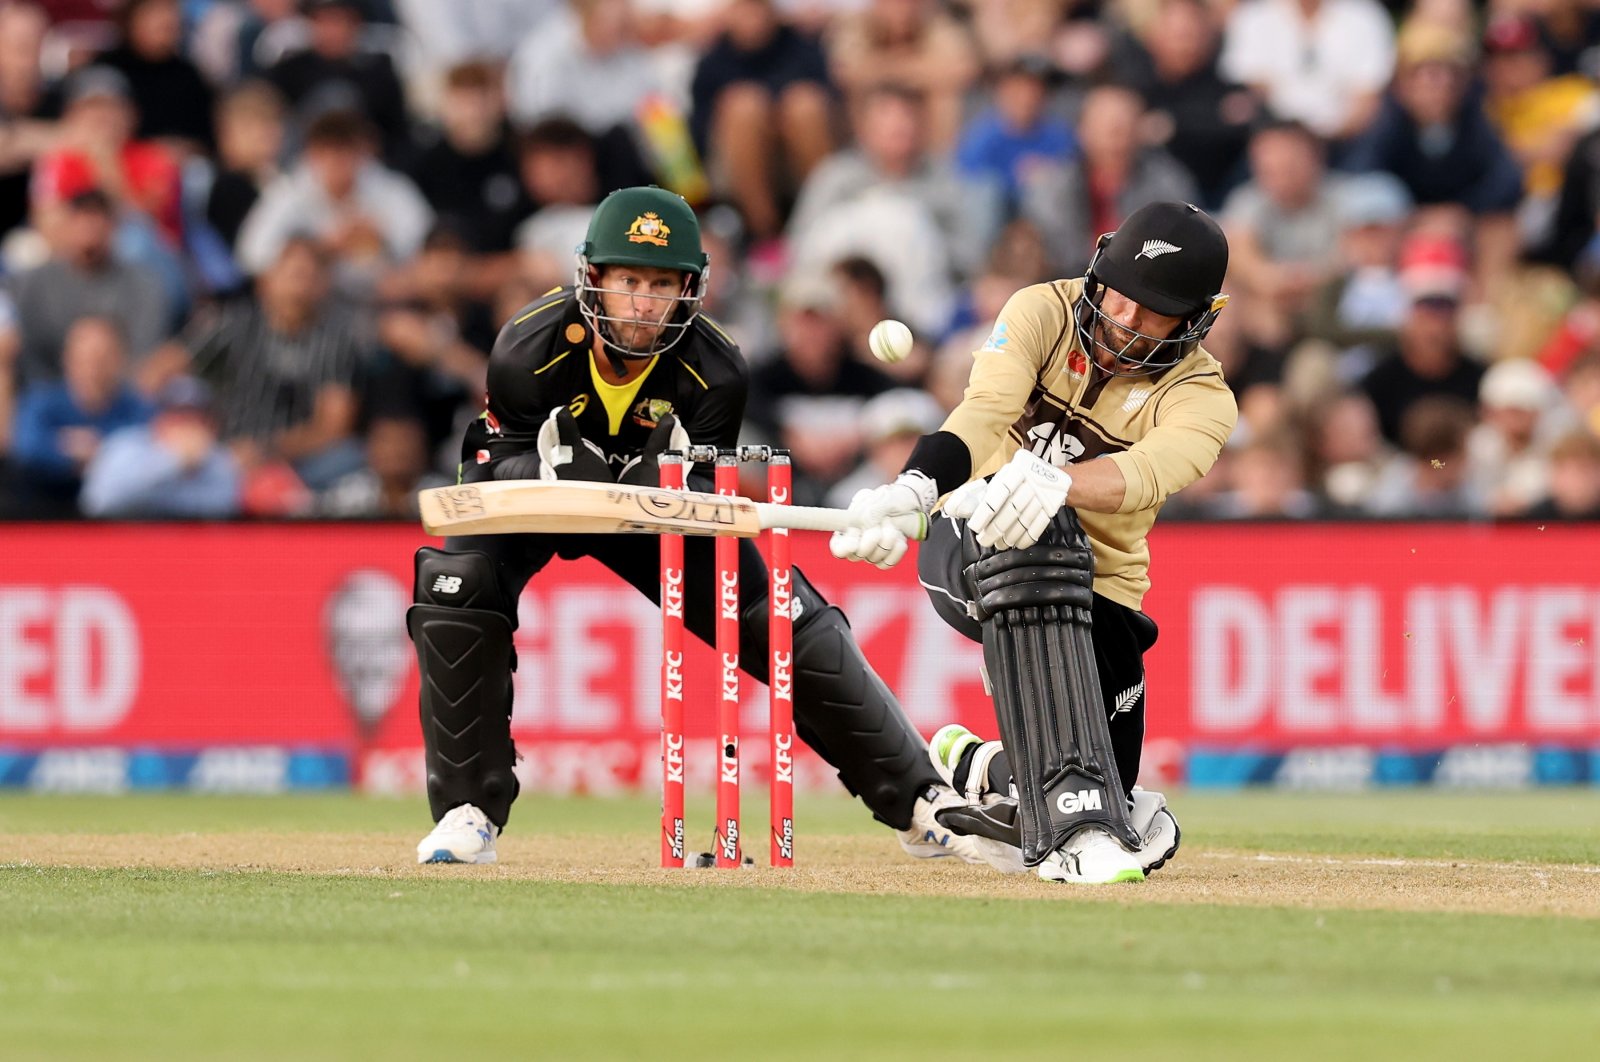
x=646, y=226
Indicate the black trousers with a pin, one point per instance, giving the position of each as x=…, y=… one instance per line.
x=1121, y=638
x=637, y=560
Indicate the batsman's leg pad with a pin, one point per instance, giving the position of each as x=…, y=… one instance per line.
x=1034, y=604
x=842, y=709
x=465, y=658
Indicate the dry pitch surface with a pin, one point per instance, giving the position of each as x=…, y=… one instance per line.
x=874, y=864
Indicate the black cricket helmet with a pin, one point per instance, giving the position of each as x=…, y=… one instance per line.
x=644, y=226
x=1167, y=257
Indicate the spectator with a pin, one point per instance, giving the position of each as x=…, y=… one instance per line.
x=80, y=279
x=434, y=343
x=1362, y=304
x=1432, y=481
x=336, y=73
x=1202, y=118
x=1348, y=452
x=888, y=200
x=583, y=61
x=1283, y=231
x=863, y=301
x=174, y=466
x=1507, y=451
x=448, y=35
x=1114, y=175
x=369, y=216
x=172, y=100
x=28, y=106
x=1427, y=359
x=60, y=424
x=284, y=368
x=1574, y=480
x=1267, y=482
x=1569, y=30
x=250, y=132
x=912, y=45
x=96, y=149
x=1004, y=142
x=467, y=166
x=1322, y=63
x=891, y=424
x=386, y=486
x=810, y=395
x=1582, y=389
x=1433, y=135
x=762, y=108
x=561, y=177
x=1569, y=241
x=228, y=35
x=1538, y=116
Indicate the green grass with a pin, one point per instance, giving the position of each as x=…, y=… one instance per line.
x=164, y=964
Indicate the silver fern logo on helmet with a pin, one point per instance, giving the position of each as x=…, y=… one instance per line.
x=1155, y=249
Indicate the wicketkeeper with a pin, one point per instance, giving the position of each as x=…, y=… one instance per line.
x=1090, y=404
x=593, y=382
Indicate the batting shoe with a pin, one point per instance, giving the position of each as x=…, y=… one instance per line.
x=1091, y=857
x=464, y=835
x=951, y=744
x=1152, y=820
x=928, y=838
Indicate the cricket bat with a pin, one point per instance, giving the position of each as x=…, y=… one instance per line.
x=519, y=506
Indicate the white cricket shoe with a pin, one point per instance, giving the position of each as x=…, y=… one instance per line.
x=464, y=835
x=1091, y=857
x=1153, y=822
x=928, y=838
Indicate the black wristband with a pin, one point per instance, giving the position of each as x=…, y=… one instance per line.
x=943, y=458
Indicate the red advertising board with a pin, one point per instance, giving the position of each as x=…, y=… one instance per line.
x=184, y=637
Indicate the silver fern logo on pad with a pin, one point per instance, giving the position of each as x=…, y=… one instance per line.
x=1155, y=249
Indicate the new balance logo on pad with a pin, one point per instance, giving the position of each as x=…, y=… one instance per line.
x=447, y=584
x=1155, y=249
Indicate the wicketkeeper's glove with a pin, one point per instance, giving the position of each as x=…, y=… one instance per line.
x=645, y=470
x=565, y=454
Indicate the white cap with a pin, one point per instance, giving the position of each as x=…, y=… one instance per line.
x=1517, y=383
x=903, y=411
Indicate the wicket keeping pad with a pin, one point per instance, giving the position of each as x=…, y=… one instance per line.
x=1034, y=605
x=465, y=657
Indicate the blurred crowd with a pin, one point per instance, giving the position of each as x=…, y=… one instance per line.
x=255, y=252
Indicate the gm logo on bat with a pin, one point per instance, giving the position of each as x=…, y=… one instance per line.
x=684, y=505
x=459, y=502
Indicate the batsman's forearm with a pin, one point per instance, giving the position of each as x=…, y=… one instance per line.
x=1097, y=486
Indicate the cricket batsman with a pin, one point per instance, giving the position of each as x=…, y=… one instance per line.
x=1088, y=406
x=593, y=382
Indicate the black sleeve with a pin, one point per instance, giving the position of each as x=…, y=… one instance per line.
x=943, y=458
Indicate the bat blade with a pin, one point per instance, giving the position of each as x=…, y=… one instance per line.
x=533, y=506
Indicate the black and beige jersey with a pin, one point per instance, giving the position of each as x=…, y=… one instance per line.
x=544, y=358
x=1032, y=388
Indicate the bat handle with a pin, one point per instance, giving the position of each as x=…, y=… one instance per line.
x=810, y=518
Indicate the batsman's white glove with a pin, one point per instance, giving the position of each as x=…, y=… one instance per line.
x=1021, y=500
x=963, y=501
x=874, y=538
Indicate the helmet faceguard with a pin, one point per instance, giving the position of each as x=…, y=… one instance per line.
x=1167, y=257
x=677, y=312
x=645, y=227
